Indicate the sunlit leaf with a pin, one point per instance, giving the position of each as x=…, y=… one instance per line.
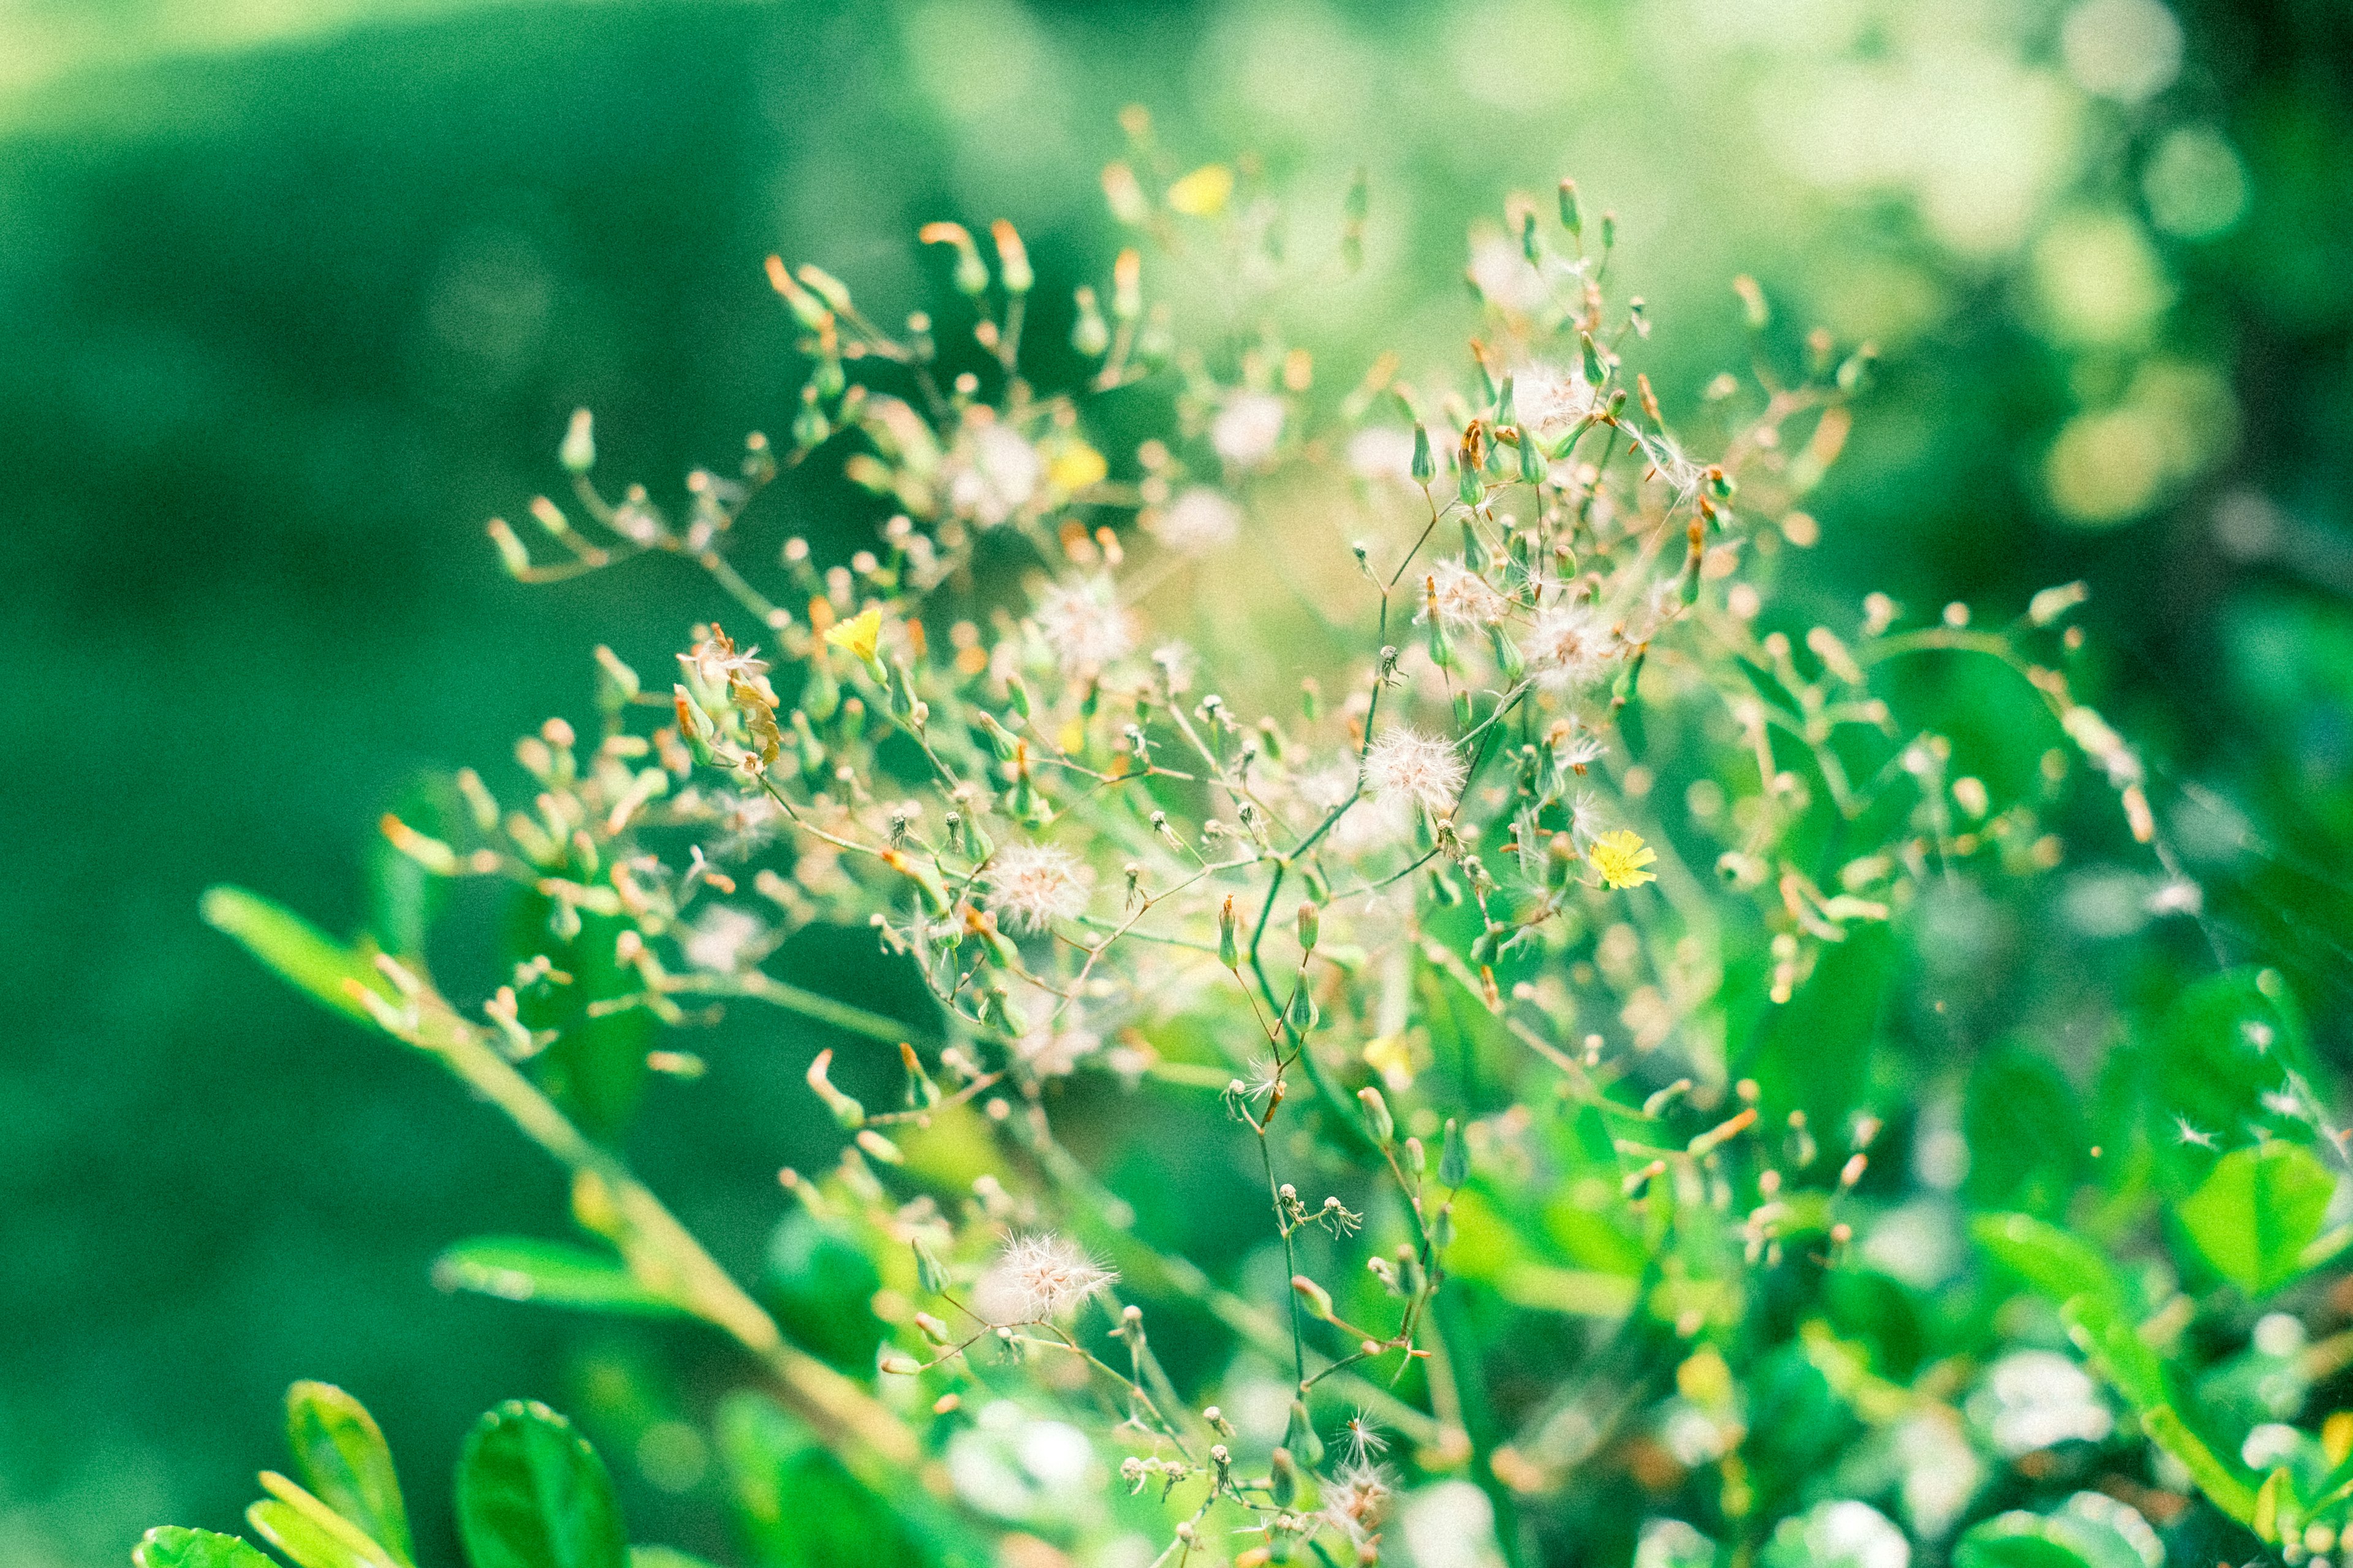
x=2257, y=1211
x=294, y=949
x=171, y=1546
x=532, y=1493
x=552, y=1273
x=341, y=1455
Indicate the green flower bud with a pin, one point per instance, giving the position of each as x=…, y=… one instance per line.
x=1377, y=1119
x=1453, y=1156
x=578, y=453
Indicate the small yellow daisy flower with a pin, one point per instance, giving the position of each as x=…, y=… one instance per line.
x=1621, y=856
x=860, y=635
x=1075, y=465
x=1203, y=192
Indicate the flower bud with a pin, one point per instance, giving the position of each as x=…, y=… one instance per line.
x=1310, y=926
x=1453, y=1156
x=1425, y=466
x=1299, y=1438
x=578, y=453
x=1284, y=1481
x=1230, y=951
x=1572, y=216
x=1313, y=1297
x=846, y=1111
x=1377, y=1114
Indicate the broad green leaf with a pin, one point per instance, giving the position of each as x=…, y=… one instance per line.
x=2014, y=1541
x=532, y=1493
x=2055, y=1262
x=342, y=1457
x=820, y=1284
x=2027, y=1142
x=2257, y=1212
x=663, y=1557
x=294, y=949
x=801, y=1509
x=311, y=1532
x=595, y=1070
x=1815, y=1050
x=2078, y=1536
x=552, y=1273
x=2223, y=1045
x=173, y=1546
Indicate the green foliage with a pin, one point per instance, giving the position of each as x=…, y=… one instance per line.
x=554, y=1274
x=1566, y=971
x=340, y=1453
x=171, y=1546
x=2255, y=1215
x=532, y=1493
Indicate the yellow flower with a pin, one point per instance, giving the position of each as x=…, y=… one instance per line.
x=1204, y=192
x=860, y=635
x=1391, y=1058
x=1075, y=467
x=1621, y=856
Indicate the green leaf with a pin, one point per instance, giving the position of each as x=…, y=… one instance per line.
x=311, y=1532
x=2055, y=1262
x=800, y=1508
x=552, y=1273
x=820, y=1283
x=532, y=1493
x=341, y=1455
x=1815, y=1053
x=2257, y=1212
x=294, y=949
x=2027, y=1142
x=2223, y=1045
x=663, y=1557
x=173, y=1546
x=595, y=1070
x=2081, y=1535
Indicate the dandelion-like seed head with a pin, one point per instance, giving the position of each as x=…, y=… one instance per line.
x=1382, y=452
x=1462, y=599
x=1248, y=428
x=1198, y=520
x=1055, y=1049
x=1404, y=763
x=718, y=661
x=1363, y=1440
x=993, y=473
x=1085, y=625
x=1551, y=401
x=1037, y=1279
x=723, y=939
x=1354, y=1498
x=1034, y=885
x=1570, y=647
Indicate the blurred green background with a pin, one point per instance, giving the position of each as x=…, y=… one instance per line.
x=295, y=295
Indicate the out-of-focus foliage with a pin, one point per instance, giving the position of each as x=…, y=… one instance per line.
x=293, y=301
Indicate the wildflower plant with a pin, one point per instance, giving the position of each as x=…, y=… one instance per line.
x=1541, y=963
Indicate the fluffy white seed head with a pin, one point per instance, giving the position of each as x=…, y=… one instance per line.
x=1570, y=647
x=1037, y=1279
x=1462, y=599
x=1550, y=400
x=1248, y=428
x=1085, y=625
x=993, y=473
x=1199, y=520
x=1034, y=885
x=1406, y=764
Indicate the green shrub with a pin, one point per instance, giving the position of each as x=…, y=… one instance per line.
x=1464, y=1065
